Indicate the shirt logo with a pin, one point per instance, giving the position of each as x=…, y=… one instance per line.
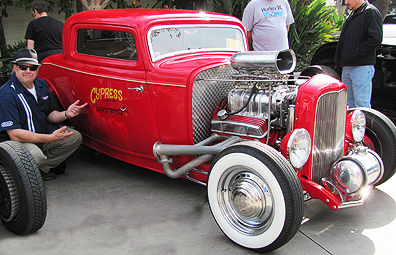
x=44, y=97
x=7, y=124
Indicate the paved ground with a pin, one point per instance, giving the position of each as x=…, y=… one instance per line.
x=104, y=206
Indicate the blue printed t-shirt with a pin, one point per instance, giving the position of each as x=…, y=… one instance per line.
x=267, y=20
x=20, y=110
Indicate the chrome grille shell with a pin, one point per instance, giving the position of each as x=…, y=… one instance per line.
x=329, y=133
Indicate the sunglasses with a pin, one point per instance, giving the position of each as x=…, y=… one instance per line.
x=23, y=67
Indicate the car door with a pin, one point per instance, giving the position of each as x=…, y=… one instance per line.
x=106, y=70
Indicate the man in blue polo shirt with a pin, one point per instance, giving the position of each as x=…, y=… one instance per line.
x=28, y=115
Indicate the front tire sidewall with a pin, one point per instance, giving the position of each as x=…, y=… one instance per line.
x=274, y=230
x=32, y=203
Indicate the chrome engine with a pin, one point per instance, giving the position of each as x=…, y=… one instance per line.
x=261, y=91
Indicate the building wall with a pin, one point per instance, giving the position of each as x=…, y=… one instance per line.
x=16, y=23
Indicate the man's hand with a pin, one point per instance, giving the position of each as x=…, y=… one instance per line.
x=26, y=136
x=74, y=109
x=60, y=134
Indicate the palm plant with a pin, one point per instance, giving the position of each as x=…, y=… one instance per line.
x=231, y=7
x=315, y=24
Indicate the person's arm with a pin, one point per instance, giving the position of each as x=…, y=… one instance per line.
x=30, y=44
x=26, y=136
x=72, y=111
x=374, y=34
x=287, y=27
x=249, y=37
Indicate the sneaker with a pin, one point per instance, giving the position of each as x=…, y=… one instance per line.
x=48, y=176
x=60, y=169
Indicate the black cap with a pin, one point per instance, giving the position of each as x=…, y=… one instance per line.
x=26, y=56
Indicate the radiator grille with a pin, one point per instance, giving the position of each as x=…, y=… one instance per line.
x=328, y=141
x=205, y=97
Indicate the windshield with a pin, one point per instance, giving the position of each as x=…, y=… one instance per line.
x=166, y=41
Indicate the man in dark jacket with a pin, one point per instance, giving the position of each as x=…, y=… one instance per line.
x=356, y=51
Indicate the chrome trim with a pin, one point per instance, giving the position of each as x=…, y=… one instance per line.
x=361, y=201
x=240, y=125
x=140, y=89
x=329, y=132
x=290, y=118
x=194, y=180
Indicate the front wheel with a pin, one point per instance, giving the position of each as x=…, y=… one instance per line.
x=23, y=204
x=382, y=139
x=255, y=196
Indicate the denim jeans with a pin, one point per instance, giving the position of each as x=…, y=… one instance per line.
x=358, y=81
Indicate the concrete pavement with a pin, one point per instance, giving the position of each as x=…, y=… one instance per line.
x=104, y=206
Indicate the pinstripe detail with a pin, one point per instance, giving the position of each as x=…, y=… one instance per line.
x=28, y=113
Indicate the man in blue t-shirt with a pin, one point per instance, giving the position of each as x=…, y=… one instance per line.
x=28, y=115
x=267, y=23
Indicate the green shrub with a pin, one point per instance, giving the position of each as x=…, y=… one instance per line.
x=315, y=24
x=7, y=66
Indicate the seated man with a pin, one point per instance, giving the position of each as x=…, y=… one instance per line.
x=28, y=115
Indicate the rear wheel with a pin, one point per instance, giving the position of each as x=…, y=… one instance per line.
x=382, y=139
x=23, y=204
x=255, y=196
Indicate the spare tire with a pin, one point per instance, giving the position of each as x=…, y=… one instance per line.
x=23, y=203
x=319, y=69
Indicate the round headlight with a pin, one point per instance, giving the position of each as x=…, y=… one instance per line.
x=358, y=125
x=299, y=147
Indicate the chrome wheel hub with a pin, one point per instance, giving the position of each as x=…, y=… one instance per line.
x=245, y=200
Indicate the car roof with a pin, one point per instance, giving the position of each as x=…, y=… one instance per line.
x=390, y=19
x=389, y=34
x=142, y=18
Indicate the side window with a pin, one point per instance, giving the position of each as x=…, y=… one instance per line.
x=106, y=43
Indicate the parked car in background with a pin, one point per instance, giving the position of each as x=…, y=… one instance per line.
x=384, y=81
x=177, y=92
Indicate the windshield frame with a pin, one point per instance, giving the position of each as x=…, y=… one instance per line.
x=180, y=52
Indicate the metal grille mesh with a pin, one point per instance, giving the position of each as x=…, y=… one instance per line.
x=328, y=142
x=205, y=97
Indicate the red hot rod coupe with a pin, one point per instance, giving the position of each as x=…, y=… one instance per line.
x=177, y=92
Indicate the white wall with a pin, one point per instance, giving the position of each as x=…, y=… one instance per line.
x=16, y=23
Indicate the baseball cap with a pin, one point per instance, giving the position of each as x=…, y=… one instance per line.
x=26, y=56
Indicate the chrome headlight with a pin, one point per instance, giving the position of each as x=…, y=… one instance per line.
x=358, y=125
x=299, y=147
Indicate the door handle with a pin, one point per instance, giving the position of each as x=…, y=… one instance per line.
x=138, y=88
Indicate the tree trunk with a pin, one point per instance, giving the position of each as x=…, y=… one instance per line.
x=94, y=4
x=3, y=43
x=79, y=6
x=384, y=6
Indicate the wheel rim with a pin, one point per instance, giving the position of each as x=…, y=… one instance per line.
x=9, y=205
x=245, y=200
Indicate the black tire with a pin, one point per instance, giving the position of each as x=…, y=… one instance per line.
x=320, y=69
x=255, y=196
x=382, y=132
x=23, y=203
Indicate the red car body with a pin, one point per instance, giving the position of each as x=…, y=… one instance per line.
x=118, y=121
x=161, y=107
